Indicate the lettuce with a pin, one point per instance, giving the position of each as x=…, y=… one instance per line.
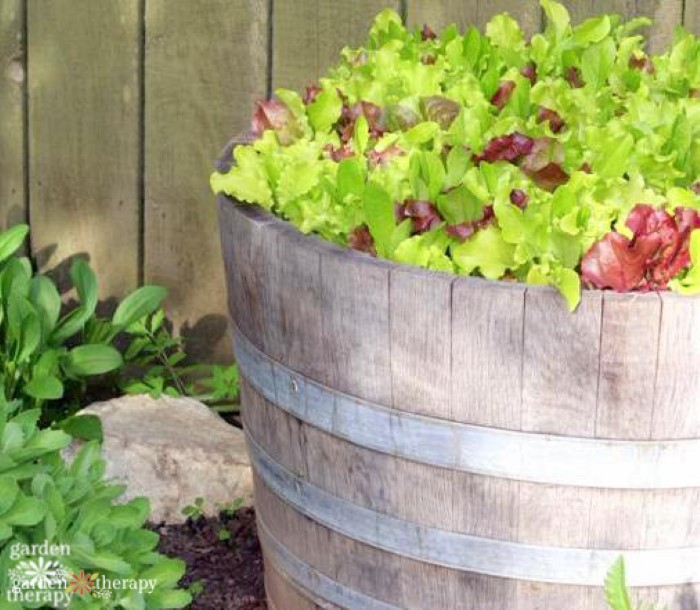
x=572, y=159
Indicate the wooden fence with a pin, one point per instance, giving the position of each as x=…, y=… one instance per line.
x=112, y=110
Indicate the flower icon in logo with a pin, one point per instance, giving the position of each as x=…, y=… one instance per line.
x=39, y=574
x=82, y=583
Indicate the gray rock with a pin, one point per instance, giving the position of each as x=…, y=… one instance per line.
x=173, y=450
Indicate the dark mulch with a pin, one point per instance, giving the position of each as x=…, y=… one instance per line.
x=230, y=571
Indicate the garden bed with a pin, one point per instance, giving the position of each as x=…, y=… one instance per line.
x=230, y=571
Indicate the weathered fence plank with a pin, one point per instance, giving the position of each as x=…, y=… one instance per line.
x=472, y=12
x=204, y=68
x=12, y=83
x=84, y=135
x=691, y=16
x=308, y=36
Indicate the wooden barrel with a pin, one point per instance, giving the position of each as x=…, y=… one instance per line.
x=428, y=441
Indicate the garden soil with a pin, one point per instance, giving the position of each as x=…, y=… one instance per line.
x=230, y=570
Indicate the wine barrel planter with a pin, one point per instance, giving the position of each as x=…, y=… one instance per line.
x=428, y=441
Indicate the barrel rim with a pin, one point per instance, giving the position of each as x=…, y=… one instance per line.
x=266, y=219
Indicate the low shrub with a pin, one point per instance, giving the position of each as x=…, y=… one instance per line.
x=43, y=499
x=48, y=353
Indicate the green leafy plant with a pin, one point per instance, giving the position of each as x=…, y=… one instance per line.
x=44, y=499
x=569, y=159
x=159, y=367
x=194, y=511
x=38, y=359
x=196, y=588
x=229, y=508
x=48, y=355
x=616, y=593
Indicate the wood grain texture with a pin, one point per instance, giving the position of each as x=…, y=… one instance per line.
x=246, y=261
x=691, y=16
x=628, y=361
x=485, y=507
x=421, y=342
x=487, y=353
x=572, y=533
x=205, y=64
x=293, y=329
x=355, y=322
x=561, y=363
x=12, y=120
x=677, y=395
x=465, y=13
x=84, y=135
x=308, y=36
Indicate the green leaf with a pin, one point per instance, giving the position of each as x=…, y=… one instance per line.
x=44, y=387
x=592, y=30
x=557, y=17
x=350, y=178
x=44, y=295
x=427, y=250
x=616, y=588
x=139, y=304
x=169, y=599
x=9, y=490
x=247, y=180
x=504, y=31
x=86, y=427
x=325, y=110
x=297, y=179
x=613, y=156
x=167, y=571
x=86, y=360
x=85, y=283
x=597, y=63
x=422, y=132
x=459, y=205
x=569, y=284
x=486, y=251
x=101, y=559
x=457, y=164
x=11, y=240
x=31, y=335
x=25, y=512
x=360, y=136
x=47, y=441
x=379, y=212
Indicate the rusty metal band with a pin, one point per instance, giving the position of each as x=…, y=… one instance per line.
x=520, y=456
x=560, y=565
